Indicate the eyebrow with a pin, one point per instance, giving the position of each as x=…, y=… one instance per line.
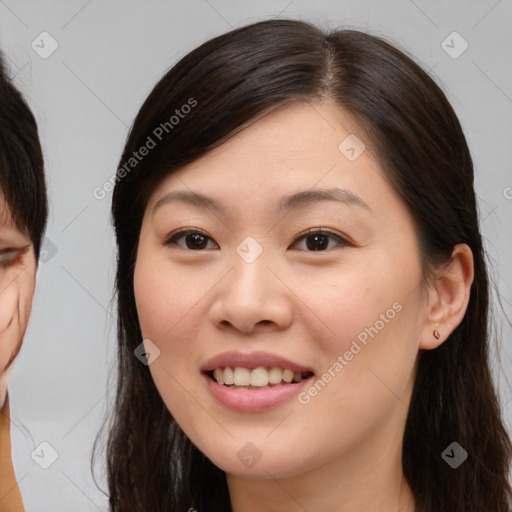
x=290, y=202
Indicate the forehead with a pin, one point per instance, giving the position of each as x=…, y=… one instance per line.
x=298, y=146
x=294, y=134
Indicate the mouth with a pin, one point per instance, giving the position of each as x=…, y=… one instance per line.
x=256, y=381
x=259, y=378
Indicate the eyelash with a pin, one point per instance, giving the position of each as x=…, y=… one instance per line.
x=172, y=239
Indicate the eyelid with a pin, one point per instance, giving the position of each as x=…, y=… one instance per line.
x=324, y=231
x=184, y=231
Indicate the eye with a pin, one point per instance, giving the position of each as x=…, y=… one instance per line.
x=9, y=256
x=318, y=239
x=194, y=239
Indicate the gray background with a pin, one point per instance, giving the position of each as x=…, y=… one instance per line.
x=85, y=96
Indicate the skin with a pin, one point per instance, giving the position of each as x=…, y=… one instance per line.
x=17, y=281
x=342, y=450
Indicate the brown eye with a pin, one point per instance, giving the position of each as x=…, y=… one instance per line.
x=194, y=240
x=319, y=240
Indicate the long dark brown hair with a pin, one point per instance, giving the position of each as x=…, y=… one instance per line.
x=415, y=134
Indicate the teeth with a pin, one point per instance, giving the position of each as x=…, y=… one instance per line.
x=297, y=377
x=229, y=376
x=275, y=375
x=242, y=377
x=288, y=376
x=218, y=375
x=258, y=377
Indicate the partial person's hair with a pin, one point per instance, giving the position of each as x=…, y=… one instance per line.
x=414, y=133
x=22, y=180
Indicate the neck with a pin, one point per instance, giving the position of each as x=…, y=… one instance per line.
x=318, y=491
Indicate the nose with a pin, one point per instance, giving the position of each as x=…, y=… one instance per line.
x=252, y=298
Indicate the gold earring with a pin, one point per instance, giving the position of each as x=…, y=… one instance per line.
x=436, y=334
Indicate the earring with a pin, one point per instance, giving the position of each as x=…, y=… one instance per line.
x=436, y=334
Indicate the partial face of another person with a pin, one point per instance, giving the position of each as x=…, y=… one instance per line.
x=17, y=281
x=326, y=283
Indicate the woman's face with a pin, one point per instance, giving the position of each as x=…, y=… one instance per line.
x=302, y=259
x=17, y=279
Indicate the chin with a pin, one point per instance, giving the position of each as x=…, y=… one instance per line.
x=250, y=461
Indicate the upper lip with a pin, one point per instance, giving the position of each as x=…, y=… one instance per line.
x=251, y=361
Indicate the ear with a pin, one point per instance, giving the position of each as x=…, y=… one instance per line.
x=17, y=283
x=448, y=297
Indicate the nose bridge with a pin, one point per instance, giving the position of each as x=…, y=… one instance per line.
x=252, y=294
x=249, y=277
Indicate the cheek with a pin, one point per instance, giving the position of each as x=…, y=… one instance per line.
x=15, y=307
x=164, y=306
x=348, y=302
x=372, y=319
x=162, y=297
x=170, y=314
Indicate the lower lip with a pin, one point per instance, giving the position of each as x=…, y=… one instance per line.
x=254, y=399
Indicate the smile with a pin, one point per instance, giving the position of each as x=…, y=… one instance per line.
x=256, y=378
x=254, y=381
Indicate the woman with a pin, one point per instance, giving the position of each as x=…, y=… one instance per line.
x=23, y=213
x=302, y=289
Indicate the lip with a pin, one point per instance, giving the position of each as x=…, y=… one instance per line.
x=251, y=361
x=253, y=400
